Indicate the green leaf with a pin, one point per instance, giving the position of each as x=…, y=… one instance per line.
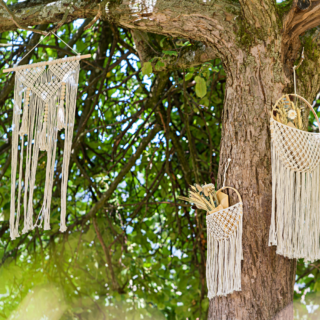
x=147, y=69
x=162, y=41
x=171, y=53
x=159, y=65
x=89, y=236
x=188, y=76
x=201, y=87
x=173, y=236
x=180, y=43
x=205, y=101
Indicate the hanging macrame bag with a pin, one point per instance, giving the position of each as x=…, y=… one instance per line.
x=295, y=220
x=224, y=253
x=45, y=93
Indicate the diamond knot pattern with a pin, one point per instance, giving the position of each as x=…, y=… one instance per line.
x=30, y=76
x=224, y=223
x=298, y=150
x=45, y=86
x=46, y=90
x=63, y=70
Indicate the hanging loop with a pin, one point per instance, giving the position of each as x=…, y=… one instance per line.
x=225, y=171
x=294, y=71
x=48, y=34
x=236, y=191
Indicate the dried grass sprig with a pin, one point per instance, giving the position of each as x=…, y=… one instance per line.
x=203, y=197
x=284, y=107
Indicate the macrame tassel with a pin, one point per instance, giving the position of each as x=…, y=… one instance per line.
x=43, y=135
x=14, y=160
x=40, y=122
x=223, y=270
x=60, y=115
x=272, y=231
x=25, y=127
x=294, y=225
x=46, y=217
x=295, y=215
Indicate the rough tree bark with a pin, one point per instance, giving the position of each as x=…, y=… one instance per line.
x=258, y=45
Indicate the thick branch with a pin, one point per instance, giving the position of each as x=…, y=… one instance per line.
x=299, y=21
x=295, y=23
x=48, y=11
x=16, y=22
x=260, y=14
x=212, y=24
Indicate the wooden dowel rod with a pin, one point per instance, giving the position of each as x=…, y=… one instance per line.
x=46, y=63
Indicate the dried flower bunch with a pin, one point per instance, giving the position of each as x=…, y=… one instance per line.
x=288, y=113
x=204, y=197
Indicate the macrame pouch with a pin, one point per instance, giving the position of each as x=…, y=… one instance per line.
x=295, y=189
x=224, y=255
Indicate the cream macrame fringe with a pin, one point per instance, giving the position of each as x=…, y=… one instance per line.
x=223, y=270
x=295, y=220
x=43, y=115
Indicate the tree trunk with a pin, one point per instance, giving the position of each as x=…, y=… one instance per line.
x=267, y=278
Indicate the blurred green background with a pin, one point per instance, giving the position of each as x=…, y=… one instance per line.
x=142, y=255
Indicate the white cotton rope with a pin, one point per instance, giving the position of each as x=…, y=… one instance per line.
x=47, y=93
x=295, y=161
x=225, y=172
x=295, y=157
x=224, y=252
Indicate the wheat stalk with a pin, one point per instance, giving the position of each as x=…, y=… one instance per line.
x=202, y=198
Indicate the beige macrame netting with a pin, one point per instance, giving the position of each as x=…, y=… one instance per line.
x=295, y=220
x=224, y=255
x=45, y=97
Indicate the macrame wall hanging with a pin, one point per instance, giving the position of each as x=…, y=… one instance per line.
x=295, y=220
x=46, y=95
x=295, y=157
x=224, y=237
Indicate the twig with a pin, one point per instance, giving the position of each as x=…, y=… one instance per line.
x=42, y=46
x=192, y=150
x=301, y=59
x=15, y=20
x=152, y=203
x=107, y=255
x=6, y=166
x=93, y=21
x=63, y=20
x=98, y=16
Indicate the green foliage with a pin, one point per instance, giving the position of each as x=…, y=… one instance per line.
x=170, y=53
x=201, y=87
x=147, y=69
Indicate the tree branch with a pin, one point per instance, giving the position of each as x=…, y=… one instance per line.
x=187, y=57
x=212, y=24
x=130, y=163
x=260, y=14
x=295, y=23
x=107, y=255
x=16, y=22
